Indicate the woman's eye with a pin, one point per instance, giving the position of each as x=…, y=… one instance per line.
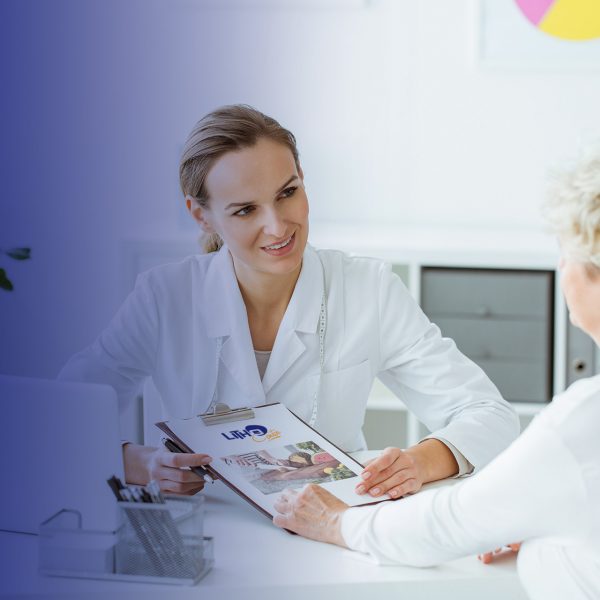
x=289, y=191
x=244, y=211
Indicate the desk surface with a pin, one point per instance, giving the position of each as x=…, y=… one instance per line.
x=254, y=559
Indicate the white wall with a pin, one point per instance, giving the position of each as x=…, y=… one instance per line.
x=396, y=118
x=396, y=123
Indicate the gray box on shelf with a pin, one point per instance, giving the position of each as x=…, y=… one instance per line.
x=502, y=319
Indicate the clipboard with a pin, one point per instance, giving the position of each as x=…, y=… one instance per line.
x=258, y=452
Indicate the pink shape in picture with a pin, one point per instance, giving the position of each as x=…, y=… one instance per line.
x=535, y=10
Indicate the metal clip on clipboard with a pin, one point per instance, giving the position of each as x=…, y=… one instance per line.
x=221, y=413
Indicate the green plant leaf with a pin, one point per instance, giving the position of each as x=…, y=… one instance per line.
x=5, y=282
x=19, y=253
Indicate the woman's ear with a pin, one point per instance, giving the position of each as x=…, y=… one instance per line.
x=198, y=214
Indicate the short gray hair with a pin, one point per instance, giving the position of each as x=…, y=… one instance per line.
x=572, y=208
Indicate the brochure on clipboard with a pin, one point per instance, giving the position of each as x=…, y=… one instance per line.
x=261, y=451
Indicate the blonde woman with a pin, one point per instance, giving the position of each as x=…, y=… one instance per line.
x=263, y=317
x=544, y=489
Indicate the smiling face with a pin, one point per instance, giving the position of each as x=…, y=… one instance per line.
x=580, y=284
x=258, y=206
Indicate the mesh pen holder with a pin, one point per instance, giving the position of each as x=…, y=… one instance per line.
x=160, y=543
x=161, y=540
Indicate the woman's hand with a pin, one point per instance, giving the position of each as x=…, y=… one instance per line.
x=488, y=557
x=400, y=472
x=169, y=469
x=396, y=472
x=313, y=513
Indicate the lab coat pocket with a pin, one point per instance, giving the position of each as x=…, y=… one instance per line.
x=343, y=399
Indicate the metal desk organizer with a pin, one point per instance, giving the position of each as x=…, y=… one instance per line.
x=160, y=543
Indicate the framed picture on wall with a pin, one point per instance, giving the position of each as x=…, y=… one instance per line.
x=537, y=34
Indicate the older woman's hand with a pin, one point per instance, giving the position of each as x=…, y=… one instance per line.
x=487, y=557
x=313, y=513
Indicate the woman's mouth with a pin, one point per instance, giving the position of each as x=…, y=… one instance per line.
x=281, y=248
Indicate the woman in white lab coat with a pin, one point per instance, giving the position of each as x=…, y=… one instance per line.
x=544, y=489
x=264, y=317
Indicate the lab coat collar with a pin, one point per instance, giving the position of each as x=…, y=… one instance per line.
x=225, y=316
x=302, y=315
x=303, y=311
x=223, y=307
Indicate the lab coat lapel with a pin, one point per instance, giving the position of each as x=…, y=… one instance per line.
x=238, y=358
x=301, y=317
x=287, y=349
x=225, y=317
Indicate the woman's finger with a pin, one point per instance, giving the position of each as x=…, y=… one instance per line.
x=398, y=473
x=282, y=505
x=398, y=465
x=408, y=487
x=181, y=460
x=488, y=557
x=177, y=475
x=382, y=462
x=400, y=483
x=281, y=521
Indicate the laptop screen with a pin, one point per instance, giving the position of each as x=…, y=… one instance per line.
x=60, y=444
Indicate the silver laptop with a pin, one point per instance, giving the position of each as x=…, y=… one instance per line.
x=60, y=443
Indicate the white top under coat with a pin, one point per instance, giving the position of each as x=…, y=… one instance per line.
x=262, y=360
x=171, y=325
x=544, y=489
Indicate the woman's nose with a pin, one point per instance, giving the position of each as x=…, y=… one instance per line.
x=274, y=224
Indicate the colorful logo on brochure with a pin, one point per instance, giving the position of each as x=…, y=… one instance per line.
x=257, y=433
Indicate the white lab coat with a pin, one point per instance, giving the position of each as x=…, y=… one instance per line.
x=170, y=325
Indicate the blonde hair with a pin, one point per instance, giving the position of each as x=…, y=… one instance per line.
x=572, y=208
x=223, y=130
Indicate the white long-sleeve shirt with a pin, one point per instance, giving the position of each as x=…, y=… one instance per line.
x=544, y=489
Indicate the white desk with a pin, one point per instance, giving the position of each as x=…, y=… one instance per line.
x=254, y=559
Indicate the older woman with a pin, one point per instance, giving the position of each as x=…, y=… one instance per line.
x=544, y=489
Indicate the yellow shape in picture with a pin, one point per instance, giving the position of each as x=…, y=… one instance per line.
x=573, y=19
